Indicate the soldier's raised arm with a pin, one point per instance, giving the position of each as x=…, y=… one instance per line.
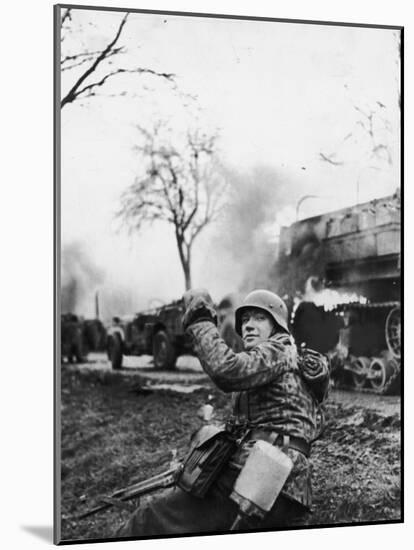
x=269, y=351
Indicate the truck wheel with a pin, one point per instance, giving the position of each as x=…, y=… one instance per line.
x=115, y=352
x=163, y=351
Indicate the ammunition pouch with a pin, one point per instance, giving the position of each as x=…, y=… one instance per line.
x=210, y=450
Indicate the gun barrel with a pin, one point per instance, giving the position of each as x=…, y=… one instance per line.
x=159, y=481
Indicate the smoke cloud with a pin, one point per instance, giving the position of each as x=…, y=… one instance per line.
x=117, y=301
x=80, y=278
x=248, y=229
x=82, y=281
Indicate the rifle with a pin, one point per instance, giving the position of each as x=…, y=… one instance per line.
x=160, y=481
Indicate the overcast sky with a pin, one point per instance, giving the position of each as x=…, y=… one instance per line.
x=280, y=94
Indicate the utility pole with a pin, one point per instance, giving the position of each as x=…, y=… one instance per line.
x=96, y=305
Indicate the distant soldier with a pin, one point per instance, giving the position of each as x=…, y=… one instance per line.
x=276, y=397
x=115, y=335
x=116, y=328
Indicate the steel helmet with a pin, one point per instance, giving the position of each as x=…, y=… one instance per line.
x=267, y=301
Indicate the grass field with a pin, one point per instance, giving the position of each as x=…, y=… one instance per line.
x=114, y=434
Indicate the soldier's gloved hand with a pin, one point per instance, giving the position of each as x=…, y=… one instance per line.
x=198, y=307
x=314, y=368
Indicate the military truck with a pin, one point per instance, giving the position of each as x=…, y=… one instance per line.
x=72, y=349
x=157, y=332
x=342, y=274
x=80, y=336
x=94, y=335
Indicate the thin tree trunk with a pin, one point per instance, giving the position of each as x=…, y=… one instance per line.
x=187, y=276
x=185, y=261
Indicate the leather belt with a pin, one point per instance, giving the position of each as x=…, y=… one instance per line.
x=281, y=440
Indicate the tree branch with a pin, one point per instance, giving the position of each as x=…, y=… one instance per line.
x=84, y=57
x=72, y=94
x=67, y=15
x=329, y=159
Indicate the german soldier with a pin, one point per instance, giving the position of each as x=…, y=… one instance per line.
x=276, y=396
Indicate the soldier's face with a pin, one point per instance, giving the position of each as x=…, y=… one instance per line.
x=256, y=326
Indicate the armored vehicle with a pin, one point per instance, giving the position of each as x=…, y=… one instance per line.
x=341, y=271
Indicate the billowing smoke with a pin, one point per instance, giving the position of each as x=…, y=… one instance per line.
x=80, y=279
x=84, y=286
x=301, y=256
x=248, y=229
x=117, y=301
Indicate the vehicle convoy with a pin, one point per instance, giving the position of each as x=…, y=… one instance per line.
x=346, y=265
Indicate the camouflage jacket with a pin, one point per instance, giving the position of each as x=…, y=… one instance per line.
x=268, y=393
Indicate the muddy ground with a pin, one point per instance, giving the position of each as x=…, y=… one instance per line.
x=120, y=427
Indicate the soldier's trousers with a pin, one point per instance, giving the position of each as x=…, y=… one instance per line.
x=176, y=512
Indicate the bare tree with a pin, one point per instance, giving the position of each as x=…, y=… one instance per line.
x=372, y=123
x=371, y=126
x=179, y=185
x=94, y=68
